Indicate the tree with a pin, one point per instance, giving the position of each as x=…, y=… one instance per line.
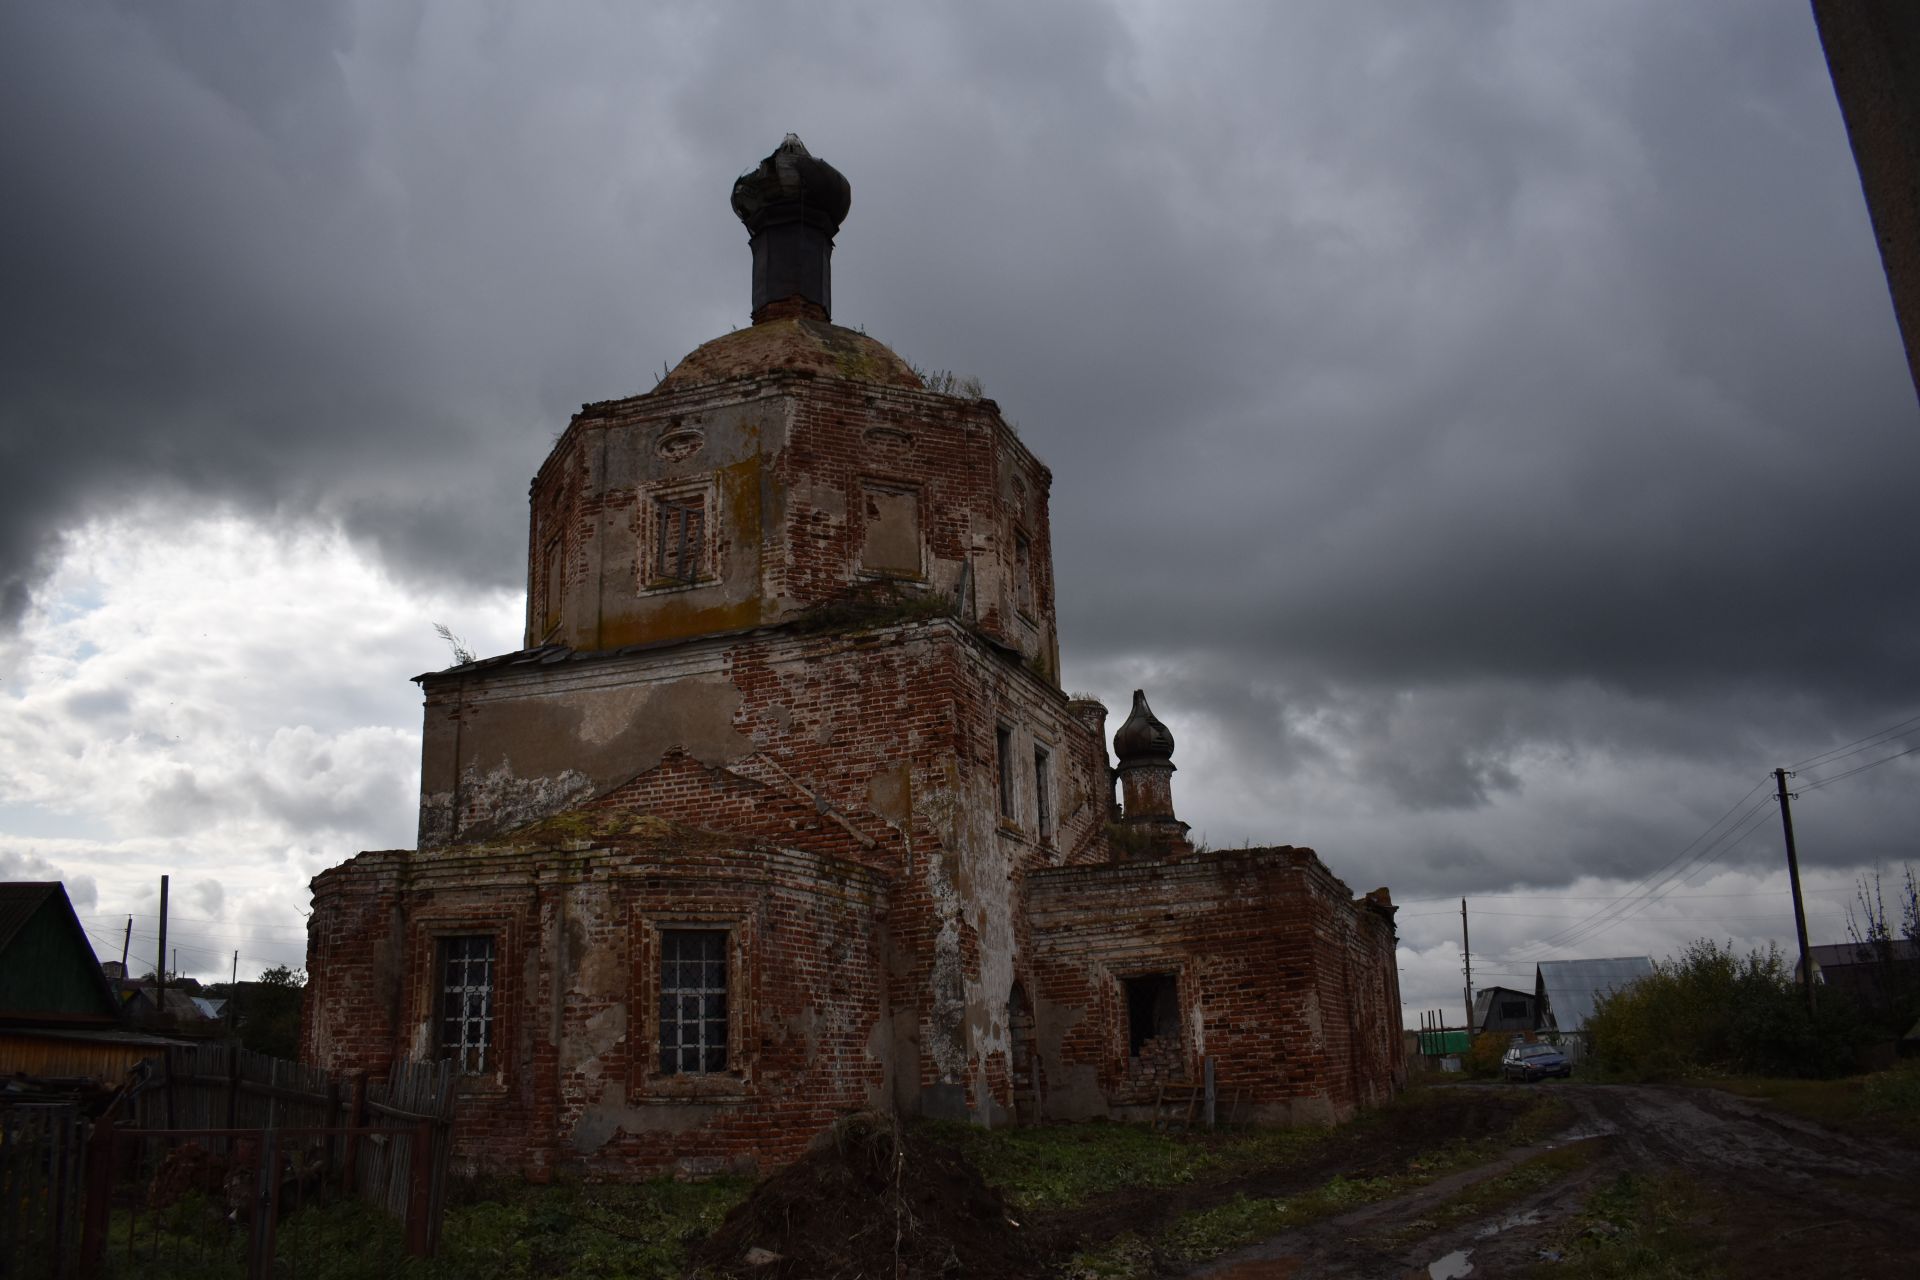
x=268, y=1012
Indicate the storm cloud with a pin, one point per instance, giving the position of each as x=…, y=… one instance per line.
x=1482, y=427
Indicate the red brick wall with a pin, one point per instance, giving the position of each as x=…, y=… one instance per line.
x=1279, y=972
x=576, y=1081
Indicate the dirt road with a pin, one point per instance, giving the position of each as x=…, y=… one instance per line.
x=1671, y=1180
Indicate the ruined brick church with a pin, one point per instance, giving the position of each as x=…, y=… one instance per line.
x=782, y=812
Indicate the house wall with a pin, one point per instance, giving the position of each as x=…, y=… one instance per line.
x=1283, y=979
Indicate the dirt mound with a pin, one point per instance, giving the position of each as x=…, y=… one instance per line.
x=871, y=1201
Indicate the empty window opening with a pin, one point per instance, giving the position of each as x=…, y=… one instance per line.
x=1513, y=1008
x=679, y=543
x=890, y=531
x=1043, y=791
x=555, y=584
x=1023, y=572
x=1153, y=1010
x=466, y=1001
x=693, y=1001
x=1003, y=742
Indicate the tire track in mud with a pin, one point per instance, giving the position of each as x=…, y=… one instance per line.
x=1786, y=1181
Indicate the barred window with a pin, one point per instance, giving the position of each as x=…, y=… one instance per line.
x=693, y=1001
x=466, y=1001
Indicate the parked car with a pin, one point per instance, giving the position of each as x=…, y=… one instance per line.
x=1530, y=1062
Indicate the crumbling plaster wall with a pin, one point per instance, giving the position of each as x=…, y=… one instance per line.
x=880, y=747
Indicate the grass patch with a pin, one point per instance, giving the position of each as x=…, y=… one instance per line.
x=593, y=1230
x=1051, y=1167
x=1639, y=1228
x=1884, y=1100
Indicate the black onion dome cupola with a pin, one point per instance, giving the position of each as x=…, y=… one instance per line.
x=792, y=204
x=1143, y=738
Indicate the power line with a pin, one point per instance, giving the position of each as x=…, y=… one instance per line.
x=1853, y=748
x=1875, y=764
x=1674, y=870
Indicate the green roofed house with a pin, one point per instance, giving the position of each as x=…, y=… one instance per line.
x=59, y=1019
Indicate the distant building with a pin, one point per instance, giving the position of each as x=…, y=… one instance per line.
x=59, y=1018
x=1876, y=977
x=1565, y=991
x=1503, y=1009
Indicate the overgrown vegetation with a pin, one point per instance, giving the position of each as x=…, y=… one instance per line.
x=948, y=383
x=1883, y=1101
x=1712, y=1010
x=1048, y=1167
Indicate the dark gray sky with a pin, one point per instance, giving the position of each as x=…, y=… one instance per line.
x=1482, y=426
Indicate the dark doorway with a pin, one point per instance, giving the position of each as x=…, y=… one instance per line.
x=1153, y=1010
x=1026, y=1076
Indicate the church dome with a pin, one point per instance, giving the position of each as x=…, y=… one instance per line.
x=1142, y=739
x=794, y=343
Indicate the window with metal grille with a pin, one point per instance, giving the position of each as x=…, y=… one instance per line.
x=693, y=1001
x=679, y=543
x=1043, y=791
x=466, y=1001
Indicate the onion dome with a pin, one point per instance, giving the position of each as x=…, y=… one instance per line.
x=792, y=204
x=1143, y=739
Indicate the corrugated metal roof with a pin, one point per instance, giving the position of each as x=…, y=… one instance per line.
x=1832, y=954
x=1569, y=988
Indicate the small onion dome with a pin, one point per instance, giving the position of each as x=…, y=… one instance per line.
x=1142, y=739
x=792, y=185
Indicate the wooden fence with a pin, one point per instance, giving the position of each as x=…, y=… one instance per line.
x=42, y=1148
x=214, y=1087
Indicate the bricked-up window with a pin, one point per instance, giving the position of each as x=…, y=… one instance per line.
x=1043, y=791
x=890, y=531
x=1023, y=572
x=1003, y=744
x=466, y=1001
x=1153, y=1010
x=693, y=1001
x=680, y=538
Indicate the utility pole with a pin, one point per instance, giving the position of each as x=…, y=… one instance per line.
x=233, y=992
x=126, y=944
x=1793, y=877
x=160, y=958
x=1466, y=959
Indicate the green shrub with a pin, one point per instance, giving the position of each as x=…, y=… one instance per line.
x=1482, y=1058
x=1711, y=1010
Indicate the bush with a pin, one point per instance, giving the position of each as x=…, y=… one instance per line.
x=1713, y=1010
x=1482, y=1058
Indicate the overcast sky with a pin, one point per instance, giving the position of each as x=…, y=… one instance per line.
x=1481, y=427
